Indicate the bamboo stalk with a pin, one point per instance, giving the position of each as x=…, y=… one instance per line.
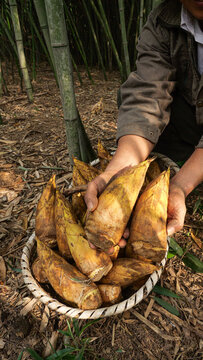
x=141, y=15
x=8, y=34
x=76, y=69
x=45, y=48
x=102, y=19
x=124, y=36
x=7, y=31
x=1, y=80
x=42, y=17
x=95, y=40
x=78, y=41
x=135, y=47
x=33, y=53
x=19, y=43
x=62, y=59
x=86, y=151
x=130, y=18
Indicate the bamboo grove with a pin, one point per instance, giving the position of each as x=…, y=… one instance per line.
x=66, y=34
x=98, y=31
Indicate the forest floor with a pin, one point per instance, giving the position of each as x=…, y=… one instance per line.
x=32, y=148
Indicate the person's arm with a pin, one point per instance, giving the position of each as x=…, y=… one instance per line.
x=181, y=185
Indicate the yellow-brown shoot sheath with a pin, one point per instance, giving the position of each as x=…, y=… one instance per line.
x=68, y=281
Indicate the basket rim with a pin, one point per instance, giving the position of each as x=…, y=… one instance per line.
x=73, y=312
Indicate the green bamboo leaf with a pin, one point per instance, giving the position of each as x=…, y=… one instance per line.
x=189, y=260
x=197, y=206
x=163, y=291
x=79, y=356
x=32, y=352
x=70, y=330
x=20, y=355
x=177, y=248
x=167, y=306
x=87, y=325
x=60, y=354
x=193, y=262
x=76, y=327
x=170, y=254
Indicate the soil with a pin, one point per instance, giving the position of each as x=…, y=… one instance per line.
x=33, y=147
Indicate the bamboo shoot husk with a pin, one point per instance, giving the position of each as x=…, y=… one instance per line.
x=67, y=281
x=87, y=171
x=45, y=227
x=126, y=271
x=39, y=272
x=93, y=263
x=105, y=226
x=110, y=294
x=148, y=236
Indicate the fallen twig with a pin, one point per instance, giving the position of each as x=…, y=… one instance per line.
x=154, y=327
x=23, y=97
x=178, y=320
x=75, y=189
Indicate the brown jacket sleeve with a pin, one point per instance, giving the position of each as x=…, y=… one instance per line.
x=146, y=95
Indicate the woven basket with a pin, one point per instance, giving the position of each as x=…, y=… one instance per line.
x=63, y=309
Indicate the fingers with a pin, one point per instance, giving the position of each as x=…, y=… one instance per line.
x=122, y=243
x=126, y=233
x=91, y=196
x=94, y=188
x=92, y=246
x=174, y=225
x=176, y=220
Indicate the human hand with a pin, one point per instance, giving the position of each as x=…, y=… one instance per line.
x=176, y=209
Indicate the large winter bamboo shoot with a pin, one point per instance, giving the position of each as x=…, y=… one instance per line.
x=90, y=262
x=67, y=281
x=105, y=226
x=148, y=236
x=45, y=228
x=126, y=271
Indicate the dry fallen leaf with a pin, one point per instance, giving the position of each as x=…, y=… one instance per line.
x=196, y=239
x=2, y=344
x=10, y=184
x=2, y=270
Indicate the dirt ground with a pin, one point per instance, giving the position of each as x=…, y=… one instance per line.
x=32, y=148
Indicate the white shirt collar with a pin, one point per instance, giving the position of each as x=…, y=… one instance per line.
x=190, y=24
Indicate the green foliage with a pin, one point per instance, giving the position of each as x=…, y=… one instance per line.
x=163, y=291
x=189, y=259
x=95, y=36
x=198, y=207
x=167, y=306
x=76, y=345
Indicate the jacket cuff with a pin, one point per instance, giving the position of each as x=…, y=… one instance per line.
x=150, y=133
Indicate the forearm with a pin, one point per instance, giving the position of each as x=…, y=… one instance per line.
x=132, y=149
x=191, y=173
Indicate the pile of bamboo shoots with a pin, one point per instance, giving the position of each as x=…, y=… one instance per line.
x=89, y=278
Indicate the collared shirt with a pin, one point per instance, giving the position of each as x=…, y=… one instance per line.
x=190, y=24
x=166, y=67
